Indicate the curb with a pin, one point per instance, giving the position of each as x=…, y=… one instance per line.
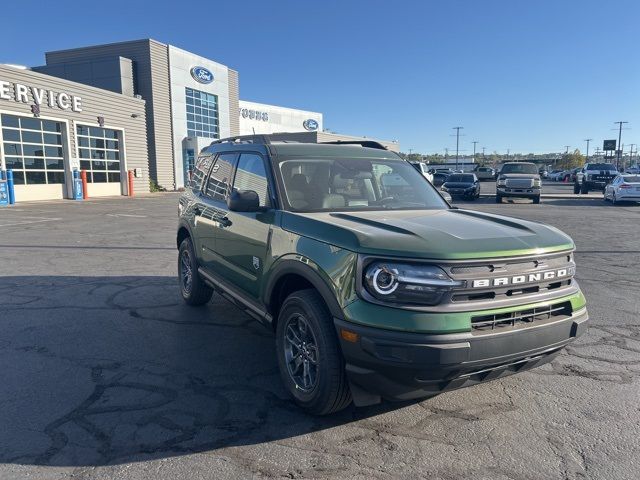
x=555, y=195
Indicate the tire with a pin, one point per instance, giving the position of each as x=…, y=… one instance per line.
x=536, y=200
x=193, y=289
x=324, y=388
x=498, y=199
x=576, y=188
x=614, y=202
x=584, y=188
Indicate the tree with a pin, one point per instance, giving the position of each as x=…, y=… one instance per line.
x=571, y=160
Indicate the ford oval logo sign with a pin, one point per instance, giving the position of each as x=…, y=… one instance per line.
x=201, y=75
x=310, y=124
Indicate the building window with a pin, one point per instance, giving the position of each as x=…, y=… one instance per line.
x=99, y=151
x=33, y=149
x=202, y=114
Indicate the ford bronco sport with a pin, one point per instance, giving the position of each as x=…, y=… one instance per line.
x=376, y=288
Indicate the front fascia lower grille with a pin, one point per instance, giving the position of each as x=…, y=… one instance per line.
x=526, y=316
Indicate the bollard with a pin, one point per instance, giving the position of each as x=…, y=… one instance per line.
x=83, y=175
x=130, y=183
x=12, y=193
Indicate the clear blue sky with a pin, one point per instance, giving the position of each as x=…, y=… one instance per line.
x=529, y=76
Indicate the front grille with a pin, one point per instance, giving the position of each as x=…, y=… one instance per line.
x=519, y=182
x=518, y=317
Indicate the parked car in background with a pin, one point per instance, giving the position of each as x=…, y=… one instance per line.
x=594, y=176
x=519, y=179
x=464, y=185
x=485, y=173
x=423, y=169
x=543, y=172
x=554, y=174
x=623, y=188
x=439, y=178
x=634, y=169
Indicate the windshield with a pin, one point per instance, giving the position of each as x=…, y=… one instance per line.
x=460, y=178
x=600, y=166
x=526, y=168
x=328, y=185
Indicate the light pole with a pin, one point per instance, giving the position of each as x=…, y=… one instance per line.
x=587, y=140
x=631, y=147
x=457, y=129
x=475, y=142
x=619, y=143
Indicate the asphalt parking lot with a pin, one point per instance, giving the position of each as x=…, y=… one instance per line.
x=106, y=374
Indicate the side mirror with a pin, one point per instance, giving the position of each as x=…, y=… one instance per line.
x=243, y=201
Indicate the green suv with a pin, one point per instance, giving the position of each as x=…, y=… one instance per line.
x=376, y=288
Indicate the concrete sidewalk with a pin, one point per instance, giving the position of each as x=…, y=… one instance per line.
x=588, y=196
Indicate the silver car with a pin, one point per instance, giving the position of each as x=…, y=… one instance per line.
x=623, y=188
x=485, y=173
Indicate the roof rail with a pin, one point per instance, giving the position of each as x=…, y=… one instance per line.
x=259, y=139
x=362, y=143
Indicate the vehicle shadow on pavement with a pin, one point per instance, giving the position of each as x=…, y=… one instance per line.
x=106, y=370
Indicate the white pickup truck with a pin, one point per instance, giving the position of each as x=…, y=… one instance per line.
x=423, y=169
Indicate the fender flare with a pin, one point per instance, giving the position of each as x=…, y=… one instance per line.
x=291, y=266
x=183, y=224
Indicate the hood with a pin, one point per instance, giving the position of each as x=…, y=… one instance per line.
x=449, y=234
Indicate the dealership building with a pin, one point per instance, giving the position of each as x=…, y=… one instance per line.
x=52, y=126
x=139, y=105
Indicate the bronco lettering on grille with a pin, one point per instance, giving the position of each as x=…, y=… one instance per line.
x=521, y=279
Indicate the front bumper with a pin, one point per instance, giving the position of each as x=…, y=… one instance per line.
x=404, y=366
x=518, y=192
x=460, y=192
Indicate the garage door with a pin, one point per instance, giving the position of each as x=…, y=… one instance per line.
x=33, y=150
x=100, y=152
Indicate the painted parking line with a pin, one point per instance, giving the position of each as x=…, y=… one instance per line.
x=29, y=222
x=125, y=215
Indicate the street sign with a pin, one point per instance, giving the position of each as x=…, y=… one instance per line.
x=609, y=145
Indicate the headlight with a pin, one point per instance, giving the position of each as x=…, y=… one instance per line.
x=444, y=189
x=502, y=182
x=407, y=284
x=589, y=177
x=537, y=182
